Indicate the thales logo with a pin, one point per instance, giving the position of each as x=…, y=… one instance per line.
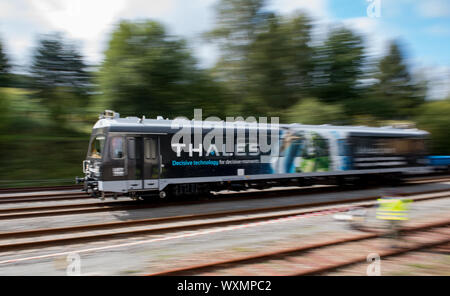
x=215, y=137
x=241, y=149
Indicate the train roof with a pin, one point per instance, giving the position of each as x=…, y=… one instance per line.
x=115, y=123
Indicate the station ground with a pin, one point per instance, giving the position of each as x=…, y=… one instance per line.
x=142, y=255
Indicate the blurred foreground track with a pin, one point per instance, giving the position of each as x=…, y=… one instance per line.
x=430, y=177
x=39, y=188
x=323, y=257
x=189, y=222
x=96, y=205
x=43, y=197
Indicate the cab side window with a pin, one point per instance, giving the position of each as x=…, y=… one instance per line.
x=117, y=147
x=131, y=148
x=150, y=148
x=134, y=148
x=97, y=145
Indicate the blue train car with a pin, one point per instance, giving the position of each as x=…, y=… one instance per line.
x=439, y=162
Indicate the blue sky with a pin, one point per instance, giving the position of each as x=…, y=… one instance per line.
x=422, y=26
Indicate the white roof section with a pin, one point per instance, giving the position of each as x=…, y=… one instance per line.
x=115, y=120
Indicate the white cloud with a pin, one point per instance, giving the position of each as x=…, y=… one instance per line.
x=148, y=9
x=438, y=30
x=80, y=19
x=91, y=22
x=438, y=78
x=188, y=19
x=434, y=8
x=87, y=21
x=371, y=29
x=6, y=9
x=318, y=9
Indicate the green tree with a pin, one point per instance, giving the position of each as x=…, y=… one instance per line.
x=338, y=68
x=279, y=63
x=58, y=63
x=60, y=77
x=313, y=111
x=434, y=118
x=4, y=111
x=146, y=71
x=4, y=81
x=265, y=59
x=237, y=25
x=396, y=94
x=5, y=67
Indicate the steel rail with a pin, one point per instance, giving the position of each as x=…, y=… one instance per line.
x=69, y=209
x=38, y=188
x=42, y=199
x=65, y=187
x=225, y=264
x=248, y=194
x=172, y=228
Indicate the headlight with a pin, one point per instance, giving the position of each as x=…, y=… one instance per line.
x=86, y=166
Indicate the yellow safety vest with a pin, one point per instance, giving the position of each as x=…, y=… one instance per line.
x=393, y=208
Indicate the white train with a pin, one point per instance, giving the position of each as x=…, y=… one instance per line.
x=137, y=156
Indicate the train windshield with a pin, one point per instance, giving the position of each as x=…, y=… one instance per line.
x=97, y=146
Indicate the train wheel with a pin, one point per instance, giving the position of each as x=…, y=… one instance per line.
x=162, y=194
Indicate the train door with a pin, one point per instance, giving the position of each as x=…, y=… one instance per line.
x=135, y=162
x=151, y=163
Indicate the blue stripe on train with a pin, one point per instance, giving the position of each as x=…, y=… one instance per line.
x=439, y=160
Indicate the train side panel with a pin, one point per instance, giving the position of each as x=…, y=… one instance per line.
x=133, y=155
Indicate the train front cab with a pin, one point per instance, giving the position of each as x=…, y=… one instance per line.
x=123, y=164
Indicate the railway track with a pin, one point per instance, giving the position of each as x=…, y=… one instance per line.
x=428, y=180
x=98, y=207
x=69, y=209
x=303, y=260
x=43, y=198
x=120, y=205
x=83, y=195
x=80, y=233
x=430, y=176
x=39, y=188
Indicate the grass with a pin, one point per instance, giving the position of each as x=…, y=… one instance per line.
x=35, y=150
